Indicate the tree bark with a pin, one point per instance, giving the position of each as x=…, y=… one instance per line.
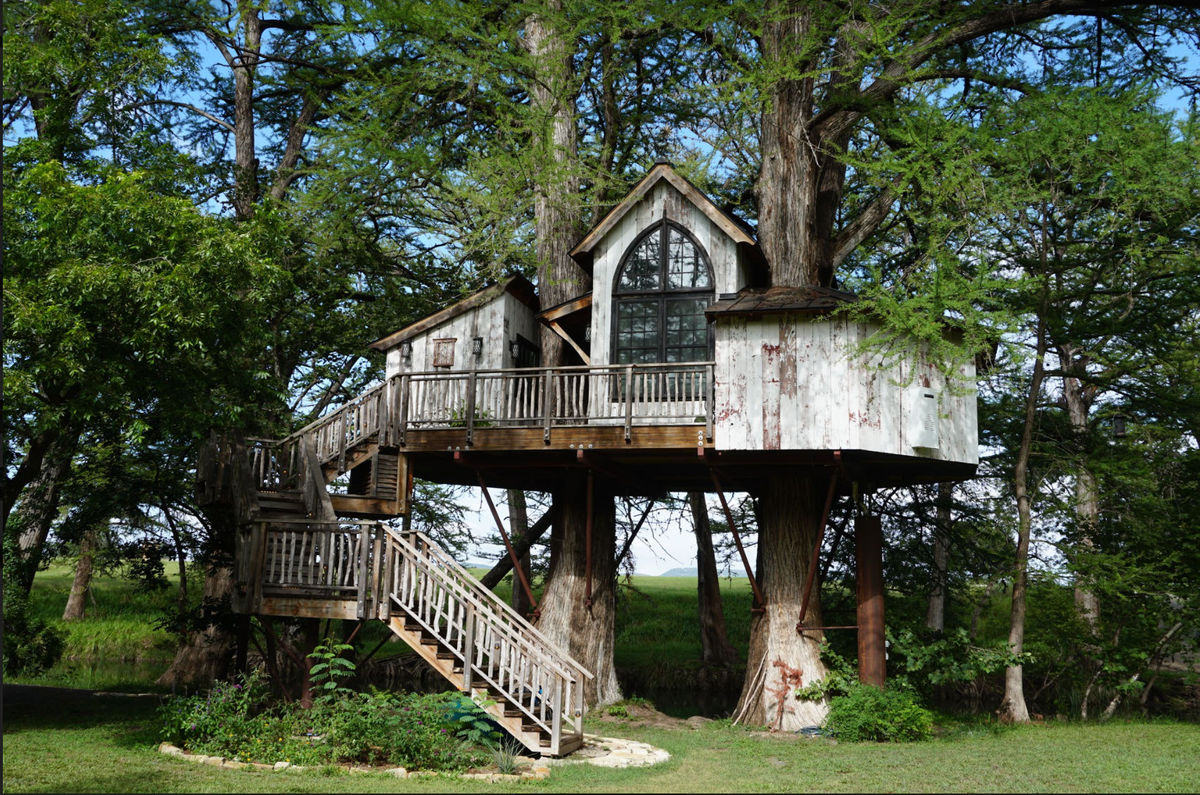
x=585, y=633
x=38, y=508
x=518, y=527
x=1013, y=708
x=522, y=546
x=935, y=615
x=1087, y=493
x=207, y=654
x=715, y=648
x=780, y=659
x=245, y=64
x=82, y=583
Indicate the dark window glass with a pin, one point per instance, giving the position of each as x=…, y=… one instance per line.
x=662, y=288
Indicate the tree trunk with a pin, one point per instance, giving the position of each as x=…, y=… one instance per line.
x=207, y=654
x=585, y=633
x=245, y=64
x=518, y=527
x=715, y=648
x=1013, y=708
x=781, y=659
x=38, y=508
x=1087, y=493
x=935, y=615
x=82, y=583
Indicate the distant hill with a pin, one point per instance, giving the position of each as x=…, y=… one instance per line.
x=691, y=572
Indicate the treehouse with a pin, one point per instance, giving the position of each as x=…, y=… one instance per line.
x=689, y=371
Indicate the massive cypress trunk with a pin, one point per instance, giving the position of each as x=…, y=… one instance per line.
x=780, y=658
x=584, y=631
x=715, y=648
x=207, y=654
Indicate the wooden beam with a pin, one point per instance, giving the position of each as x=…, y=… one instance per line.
x=560, y=331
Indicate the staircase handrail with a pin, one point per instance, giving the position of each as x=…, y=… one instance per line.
x=325, y=419
x=478, y=588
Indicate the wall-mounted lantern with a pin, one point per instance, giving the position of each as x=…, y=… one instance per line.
x=477, y=346
x=514, y=348
x=406, y=351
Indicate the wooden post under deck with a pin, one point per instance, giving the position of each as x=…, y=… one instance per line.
x=868, y=559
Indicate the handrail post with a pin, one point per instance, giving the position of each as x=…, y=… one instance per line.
x=363, y=579
x=546, y=390
x=628, y=402
x=710, y=407
x=468, y=648
x=556, y=721
x=472, y=381
x=404, y=386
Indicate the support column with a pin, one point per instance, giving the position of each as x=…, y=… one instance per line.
x=868, y=558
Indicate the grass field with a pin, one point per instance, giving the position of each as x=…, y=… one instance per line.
x=107, y=743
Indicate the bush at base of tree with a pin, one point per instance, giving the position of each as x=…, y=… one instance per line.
x=30, y=644
x=867, y=713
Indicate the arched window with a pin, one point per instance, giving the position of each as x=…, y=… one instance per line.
x=662, y=287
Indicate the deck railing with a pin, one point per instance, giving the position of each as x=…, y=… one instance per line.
x=625, y=395
x=405, y=575
x=496, y=646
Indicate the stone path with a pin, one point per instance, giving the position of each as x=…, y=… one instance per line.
x=613, y=752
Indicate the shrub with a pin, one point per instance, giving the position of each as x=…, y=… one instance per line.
x=868, y=713
x=30, y=644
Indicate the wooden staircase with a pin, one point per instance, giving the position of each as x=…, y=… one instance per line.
x=305, y=552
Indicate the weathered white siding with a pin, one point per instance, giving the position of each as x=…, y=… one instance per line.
x=497, y=322
x=663, y=199
x=788, y=382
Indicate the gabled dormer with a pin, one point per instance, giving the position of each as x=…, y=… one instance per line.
x=658, y=259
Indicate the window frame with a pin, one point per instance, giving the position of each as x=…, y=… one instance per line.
x=664, y=294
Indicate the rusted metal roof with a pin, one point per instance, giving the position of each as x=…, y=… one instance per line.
x=776, y=300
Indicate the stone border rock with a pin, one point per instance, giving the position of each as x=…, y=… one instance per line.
x=615, y=752
x=537, y=771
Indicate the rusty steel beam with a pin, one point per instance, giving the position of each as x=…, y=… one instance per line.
x=810, y=577
x=512, y=553
x=868, y=559
x=760, y=603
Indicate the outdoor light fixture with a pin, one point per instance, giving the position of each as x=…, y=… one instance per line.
x=1119, y=426
x=514, y=348
x=406, y=351
x=477, y=346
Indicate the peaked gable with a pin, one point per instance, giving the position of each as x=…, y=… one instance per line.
x=582, y=253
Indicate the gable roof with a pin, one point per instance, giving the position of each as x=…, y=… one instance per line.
x=735, y=228
x=519, y=286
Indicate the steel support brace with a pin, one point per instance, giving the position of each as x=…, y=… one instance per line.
x=759, y=602
x=512, y=553
x=811, y=576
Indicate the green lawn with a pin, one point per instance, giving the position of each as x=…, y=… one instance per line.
x=109, y=746
x=108, y=743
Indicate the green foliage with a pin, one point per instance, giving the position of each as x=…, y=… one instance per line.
x=866, y=713
x=925, y=660
x=330, y=670
x=30, y=644
x=471, y=723
x=237, y=721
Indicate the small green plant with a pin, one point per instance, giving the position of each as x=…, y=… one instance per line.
x=330, y=670
x=867, y=713
x=30, y=644
x=473, y=724
x=505, y=754
x=617, y=711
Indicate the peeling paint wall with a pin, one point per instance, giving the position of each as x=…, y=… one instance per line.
x=497, y=322
x=787, y=382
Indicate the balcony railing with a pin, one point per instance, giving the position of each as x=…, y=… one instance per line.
x=626, y=395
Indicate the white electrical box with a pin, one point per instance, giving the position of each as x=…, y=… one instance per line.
x=923, y=421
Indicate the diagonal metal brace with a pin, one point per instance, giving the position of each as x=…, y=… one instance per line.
x=512, y=553
x=760, y=603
